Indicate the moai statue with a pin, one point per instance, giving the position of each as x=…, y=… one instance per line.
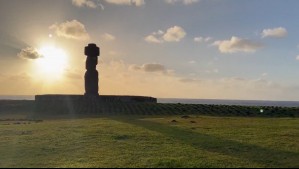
x=92, y=76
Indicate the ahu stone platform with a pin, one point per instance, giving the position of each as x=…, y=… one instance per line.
x=79, y=104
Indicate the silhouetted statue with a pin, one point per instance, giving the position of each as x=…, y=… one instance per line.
x=92, y=76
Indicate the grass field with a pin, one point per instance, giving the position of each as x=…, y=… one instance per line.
x=150, y=141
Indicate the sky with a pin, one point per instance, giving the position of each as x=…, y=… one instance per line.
x=205, y=49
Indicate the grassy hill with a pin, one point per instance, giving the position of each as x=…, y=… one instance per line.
x=149, y=135
x=165, y=141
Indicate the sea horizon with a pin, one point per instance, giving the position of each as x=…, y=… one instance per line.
x=277, y=103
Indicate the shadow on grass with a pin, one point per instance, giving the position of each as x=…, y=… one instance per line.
x=253, y=153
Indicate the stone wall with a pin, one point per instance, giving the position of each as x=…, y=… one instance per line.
x=103, y=98
x=79, y=104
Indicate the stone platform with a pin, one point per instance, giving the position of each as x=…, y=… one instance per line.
x=79, y=104
x=102, y=98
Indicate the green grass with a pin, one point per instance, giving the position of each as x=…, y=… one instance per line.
x=150, y=141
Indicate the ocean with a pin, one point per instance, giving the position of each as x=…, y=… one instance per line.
x=196, y=101
x=17, y=97
x=232, y=102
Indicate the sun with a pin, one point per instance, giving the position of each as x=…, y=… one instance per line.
x=52, y=63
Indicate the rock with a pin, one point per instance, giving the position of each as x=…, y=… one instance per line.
x=174, y=121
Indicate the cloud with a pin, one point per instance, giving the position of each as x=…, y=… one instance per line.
x=87, y=3
x=29, y=53
x=297, y=58
x=236, y=44
x=150, y=67
x=185, y=2
x=173, y=34
x=71, y=30
x=202, y=39
x=127, y=2
x=275, y=33
x=120, y=78
x=153, y=39
x=108, y=37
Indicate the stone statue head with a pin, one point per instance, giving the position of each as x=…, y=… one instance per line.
x=92, y=50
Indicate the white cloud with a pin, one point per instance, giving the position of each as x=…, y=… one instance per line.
x=153, y=39
x=71, y=30
x=127, y=2
x=236, y=44
x=275, y=33
x=29, y=53
x=87, y=3
x=202, y=39
x=297, y=58
x=108, y=37
x=173, y=34
x=186, y=2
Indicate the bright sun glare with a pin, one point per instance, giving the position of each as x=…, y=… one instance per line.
x=52, y=63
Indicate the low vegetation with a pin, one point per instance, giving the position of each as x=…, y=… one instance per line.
x=165, y=141
x=120, y=108
x=169, y=135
